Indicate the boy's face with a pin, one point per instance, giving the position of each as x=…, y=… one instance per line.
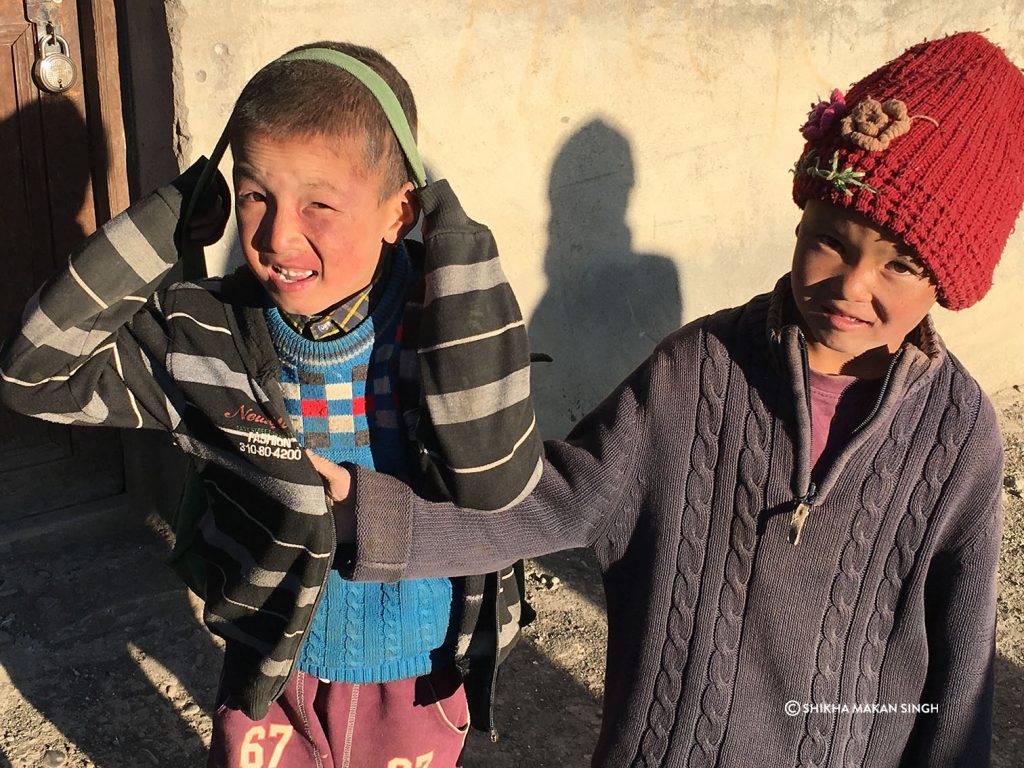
x=859, y=291
x=311, y=220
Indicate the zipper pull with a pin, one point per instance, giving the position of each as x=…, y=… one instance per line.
x=800, y=514
x=797, y=520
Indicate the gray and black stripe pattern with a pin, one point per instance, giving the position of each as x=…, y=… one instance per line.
x=99, y=345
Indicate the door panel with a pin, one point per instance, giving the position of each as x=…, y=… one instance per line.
x=47, y=207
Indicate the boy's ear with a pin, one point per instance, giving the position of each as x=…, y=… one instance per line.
x=404, y=210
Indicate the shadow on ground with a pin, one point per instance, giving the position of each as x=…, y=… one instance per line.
x=101, y=641
x=548, y=709
x=1008, y=736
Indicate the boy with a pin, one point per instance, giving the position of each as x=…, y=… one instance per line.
x=795, y=503
x=337, y=341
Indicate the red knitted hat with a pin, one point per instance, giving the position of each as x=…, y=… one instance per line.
x=931, y=147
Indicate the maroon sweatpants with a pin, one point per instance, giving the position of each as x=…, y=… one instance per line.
x=418, y=722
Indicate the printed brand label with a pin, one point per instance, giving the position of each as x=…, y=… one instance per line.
x=266, y=444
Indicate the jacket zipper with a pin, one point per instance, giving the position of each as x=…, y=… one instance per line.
x=497, y=650
x=881, y=392
x=803, y=505
x=800, y=513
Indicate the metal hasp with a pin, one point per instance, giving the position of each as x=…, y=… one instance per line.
x=54, y=71
x=43, y=12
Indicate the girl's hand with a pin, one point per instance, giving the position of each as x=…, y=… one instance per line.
x=338, y=486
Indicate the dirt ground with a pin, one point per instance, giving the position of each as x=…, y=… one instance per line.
x=128, y=681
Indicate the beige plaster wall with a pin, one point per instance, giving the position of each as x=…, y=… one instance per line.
x=632, y=158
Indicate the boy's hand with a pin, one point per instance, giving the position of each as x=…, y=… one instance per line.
x=338, y=486
x=211, y=216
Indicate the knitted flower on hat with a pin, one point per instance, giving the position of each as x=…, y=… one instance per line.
x=823, y=114
x=873, y=126
x=930, y=147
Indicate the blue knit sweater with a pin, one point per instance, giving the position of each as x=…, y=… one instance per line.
x=341, y=397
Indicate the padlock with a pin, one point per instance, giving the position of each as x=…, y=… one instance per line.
x=54, y=71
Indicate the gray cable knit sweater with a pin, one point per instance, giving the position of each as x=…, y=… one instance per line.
x=878, y=625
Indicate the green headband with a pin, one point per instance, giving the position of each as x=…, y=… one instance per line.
x=381, y=91
x=192, y=257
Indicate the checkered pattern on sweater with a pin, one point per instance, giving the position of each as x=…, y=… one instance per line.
x=333, y=409
x=326, y=413
x=341, y=394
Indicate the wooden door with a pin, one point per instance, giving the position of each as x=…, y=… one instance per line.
x=60, y=175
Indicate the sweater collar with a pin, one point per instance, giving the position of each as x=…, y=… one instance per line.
x=912, y=368
x=296, y=348
x=345, y=315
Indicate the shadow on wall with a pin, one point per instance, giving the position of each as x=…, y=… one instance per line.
x=147, y=92
x=605, y=306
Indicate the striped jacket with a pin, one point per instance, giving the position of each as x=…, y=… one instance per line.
x=102, y=344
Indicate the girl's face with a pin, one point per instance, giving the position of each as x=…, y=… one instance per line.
x=859, y=290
